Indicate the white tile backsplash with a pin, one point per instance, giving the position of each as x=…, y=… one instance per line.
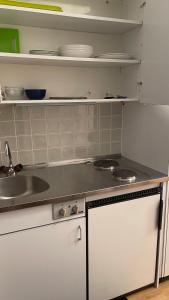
x=52, y=133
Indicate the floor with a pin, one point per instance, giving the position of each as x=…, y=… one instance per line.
x=156, y=294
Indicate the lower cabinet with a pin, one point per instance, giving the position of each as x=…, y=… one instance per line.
x=122, y=246
x=44, y=263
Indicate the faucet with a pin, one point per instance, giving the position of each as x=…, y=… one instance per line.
x=10, y=169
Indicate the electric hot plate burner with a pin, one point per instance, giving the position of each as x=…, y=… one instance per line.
x=125, y=175
x=106, y=164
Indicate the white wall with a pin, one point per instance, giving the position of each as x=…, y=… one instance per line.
x=146, y=135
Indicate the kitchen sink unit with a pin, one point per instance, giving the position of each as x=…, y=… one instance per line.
x=92, y=223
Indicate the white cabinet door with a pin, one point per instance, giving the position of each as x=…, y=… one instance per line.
x=155, y=53
x=122, y=247
x=45, y=263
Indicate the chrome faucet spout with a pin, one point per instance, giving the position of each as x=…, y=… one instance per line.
x=11, y=170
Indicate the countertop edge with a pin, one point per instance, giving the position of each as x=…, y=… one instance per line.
x=72, y=197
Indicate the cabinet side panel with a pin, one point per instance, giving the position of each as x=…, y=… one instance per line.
x=155, y=67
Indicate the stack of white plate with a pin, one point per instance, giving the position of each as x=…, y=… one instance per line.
x=76, y=50
x=44, y=52
x=116, y=56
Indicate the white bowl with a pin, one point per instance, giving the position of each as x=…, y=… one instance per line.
x=14, y=93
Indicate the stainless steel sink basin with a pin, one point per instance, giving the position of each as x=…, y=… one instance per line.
x=17, y=186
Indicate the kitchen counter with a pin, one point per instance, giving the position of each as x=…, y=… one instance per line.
x=75, y=181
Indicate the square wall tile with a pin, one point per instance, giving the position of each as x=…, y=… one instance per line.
x=81, y=152
x=105, y=109
x=21, y=113
x=39, y=142
x=66, y=112
x=67, y=125
x=52, y=112
x=93, y=137
x=116, y=121
x=105, y=136
x=54, y=154
x=116, y=135
x=37, y=112
x=38, y=127
x=115, y=148
x=53, y=125
x=25, y=157
x=93, y=124
x=105, y=149
x=40, y=156
x=53, y=140
x=7, y=129
x=81, y=139
x=24, y=142
x=93, y=110
x=81, y=124
x=105, y=123
x=67, y=139
x=116, y=109
x=6, y=113
x=94, y=150
x=68, y=153
x=23, y=128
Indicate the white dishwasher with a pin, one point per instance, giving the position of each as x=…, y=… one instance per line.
x=122, y=243
x=44, y=258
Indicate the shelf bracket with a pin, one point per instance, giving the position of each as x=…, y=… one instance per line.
x=143, y=4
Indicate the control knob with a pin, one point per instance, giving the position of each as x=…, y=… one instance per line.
x=75, y=210
x=62, y=212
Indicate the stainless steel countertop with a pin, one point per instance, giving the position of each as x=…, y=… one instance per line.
x=75, y=181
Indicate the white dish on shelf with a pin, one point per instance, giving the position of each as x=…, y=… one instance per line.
x=116, y=56
x=76, y=50
x=44, y=52
x=14, y=93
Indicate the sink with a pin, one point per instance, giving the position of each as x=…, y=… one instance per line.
x=17, y=186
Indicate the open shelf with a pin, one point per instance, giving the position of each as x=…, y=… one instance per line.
x=66, y=102
x=64, y=21
x=29, y=59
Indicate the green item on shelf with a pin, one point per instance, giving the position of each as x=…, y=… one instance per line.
x=9, y=40
x=31, y=5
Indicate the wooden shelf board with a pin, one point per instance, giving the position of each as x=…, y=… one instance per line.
x=64, y=21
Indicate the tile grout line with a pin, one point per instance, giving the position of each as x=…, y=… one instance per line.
x=30, y=122
x=46, y=134
x=16, y=137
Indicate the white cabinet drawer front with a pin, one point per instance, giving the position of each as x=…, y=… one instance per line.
x=25, y=218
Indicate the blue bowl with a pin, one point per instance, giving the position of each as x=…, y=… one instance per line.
x=35, y=94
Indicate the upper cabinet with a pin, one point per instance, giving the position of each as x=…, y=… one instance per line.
x=154, y=42
x=103, y=25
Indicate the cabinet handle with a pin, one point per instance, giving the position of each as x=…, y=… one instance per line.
x=160, y=218
x=79, y=238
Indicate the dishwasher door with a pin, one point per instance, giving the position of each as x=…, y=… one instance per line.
x=44, y=263
x=122, y=246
